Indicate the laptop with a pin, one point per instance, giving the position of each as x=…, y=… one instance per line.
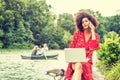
x=75, y=55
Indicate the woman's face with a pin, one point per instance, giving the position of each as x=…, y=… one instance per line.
x=85, y=23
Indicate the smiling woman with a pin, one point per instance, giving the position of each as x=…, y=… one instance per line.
x=72, y=6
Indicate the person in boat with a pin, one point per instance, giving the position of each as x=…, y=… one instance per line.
x=35, y=49
x=43, y=50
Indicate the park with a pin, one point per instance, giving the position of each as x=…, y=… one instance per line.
x=24, y=23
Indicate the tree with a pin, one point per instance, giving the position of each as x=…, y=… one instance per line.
x=22, y=21
x=53, y=36
x=65, y=21
x=113, y=24
x=38, y=15
x=13, y=23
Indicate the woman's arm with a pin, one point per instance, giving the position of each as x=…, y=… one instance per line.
x=94, y=43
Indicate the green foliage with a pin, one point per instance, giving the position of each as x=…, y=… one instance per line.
x=52, y=36
x=23, y=45
x=21, y=21
x=110, y=49
x=109, y=56
x=114, y=73
x=38, y=16
x=25, y=21
x=66, y=38
x=65, y=21
x=53, y=45
x=1, y=33
x=1, y=44
x=113, y=23
x=1, y=20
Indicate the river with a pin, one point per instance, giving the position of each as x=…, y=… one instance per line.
x=12, y=67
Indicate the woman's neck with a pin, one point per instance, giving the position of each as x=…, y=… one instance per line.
x=87, y=31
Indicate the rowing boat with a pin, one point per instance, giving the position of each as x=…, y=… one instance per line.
x=55, y=56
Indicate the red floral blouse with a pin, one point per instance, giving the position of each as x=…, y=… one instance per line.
x=78, y=41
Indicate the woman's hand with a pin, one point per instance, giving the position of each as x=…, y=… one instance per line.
x=92, y=27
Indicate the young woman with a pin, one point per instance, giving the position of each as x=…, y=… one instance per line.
x=44, y=49
x=84, y=37
x=35, y=49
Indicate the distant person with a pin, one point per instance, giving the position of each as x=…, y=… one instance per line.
x=43, y=49
x=35, y=49
x=84, y=37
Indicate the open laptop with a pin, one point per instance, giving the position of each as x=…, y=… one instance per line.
x=75, y=55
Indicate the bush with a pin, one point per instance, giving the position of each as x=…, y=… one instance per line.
x=1, y=44
x=66, y=38
x=114, y=73
x=21, y=46
x=110, y=49
x=53, y=45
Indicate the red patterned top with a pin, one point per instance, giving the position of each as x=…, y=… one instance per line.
x=78, y=41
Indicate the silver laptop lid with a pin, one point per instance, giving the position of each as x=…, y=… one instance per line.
x=75, y=54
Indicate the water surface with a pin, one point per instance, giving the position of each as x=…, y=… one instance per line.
x=12, y=67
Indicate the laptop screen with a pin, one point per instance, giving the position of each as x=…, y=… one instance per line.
x=75, y=54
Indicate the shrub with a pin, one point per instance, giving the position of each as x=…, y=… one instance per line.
x=110, y=49
x=21, y=46
x=1, y=44
x=114, y=73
